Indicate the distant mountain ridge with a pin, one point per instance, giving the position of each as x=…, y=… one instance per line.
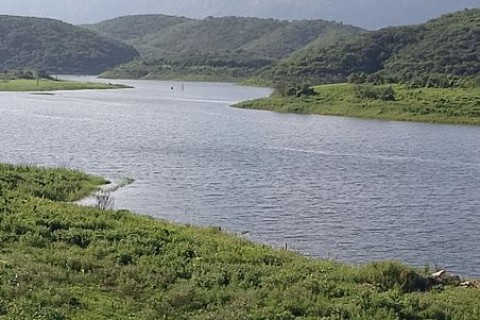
x=229, y=46
x=234, y=48
x=57, y=47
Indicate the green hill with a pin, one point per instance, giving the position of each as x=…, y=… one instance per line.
x=61, y=261
x=57, y=47
x=228, y=47
x=444, y=46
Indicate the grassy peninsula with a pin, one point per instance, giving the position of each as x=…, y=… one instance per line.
x=456, y=105
x=52, y=85
x=62, y=261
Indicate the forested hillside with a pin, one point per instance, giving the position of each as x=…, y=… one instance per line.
x=228, y=47
x=57, y=47
x=444, y=46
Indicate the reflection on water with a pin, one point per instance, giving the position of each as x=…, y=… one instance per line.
x=354, y=190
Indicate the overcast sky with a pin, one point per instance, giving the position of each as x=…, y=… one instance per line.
x=371, y=14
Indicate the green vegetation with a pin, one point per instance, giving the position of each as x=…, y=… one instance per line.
x=57, y=47
x=228, y=48
x=459, y=105
x=55, y=184
x=62, y=261
x=446, y=46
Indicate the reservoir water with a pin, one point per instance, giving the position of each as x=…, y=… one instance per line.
x=348, y=189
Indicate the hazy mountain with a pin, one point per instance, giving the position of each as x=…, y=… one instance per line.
x=370, y=14
x=57, y=47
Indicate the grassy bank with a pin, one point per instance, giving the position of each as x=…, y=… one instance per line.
x=179, y=73
x=61, y=261
x=50, y=85
x=450, y=105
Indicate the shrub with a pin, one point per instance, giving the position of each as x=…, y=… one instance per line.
x=375, y=93
x=294, y=90
x=388, y=275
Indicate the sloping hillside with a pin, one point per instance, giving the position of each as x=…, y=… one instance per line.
x=61, y=261
x=130, y=28
x=228, y=46
x=57, y=47
x=297, y=34
x=447, y=45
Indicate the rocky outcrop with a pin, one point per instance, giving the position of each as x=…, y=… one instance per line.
x=443, y=278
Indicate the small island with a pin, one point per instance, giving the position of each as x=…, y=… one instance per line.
x=31, y=80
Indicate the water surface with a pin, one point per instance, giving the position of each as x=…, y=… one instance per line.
x=349, y=189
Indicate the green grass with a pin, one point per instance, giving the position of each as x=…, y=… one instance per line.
x=56, y=184
x=51, y=85
x=62, y=261
x=450, y=105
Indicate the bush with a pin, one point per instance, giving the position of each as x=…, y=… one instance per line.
x=357, y=78
x=294, y=90
x=388, y=275
x=375, y=93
